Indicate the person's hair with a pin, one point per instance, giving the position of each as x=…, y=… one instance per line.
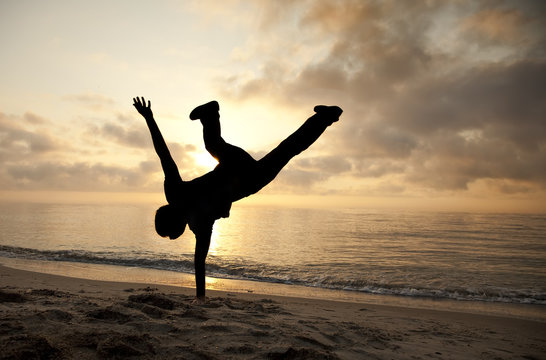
x=169, y=222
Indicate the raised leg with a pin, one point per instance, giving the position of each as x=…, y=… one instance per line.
x=272, y=163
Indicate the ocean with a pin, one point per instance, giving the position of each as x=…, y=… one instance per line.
x=465, y=257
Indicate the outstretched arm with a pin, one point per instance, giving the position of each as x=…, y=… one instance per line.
x=167, y=162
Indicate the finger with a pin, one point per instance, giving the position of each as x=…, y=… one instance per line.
x=143, y=101
x=149, y=104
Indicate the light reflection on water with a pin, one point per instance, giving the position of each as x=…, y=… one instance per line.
x=438, y=254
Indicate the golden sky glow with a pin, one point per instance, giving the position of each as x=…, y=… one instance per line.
x=445, y=101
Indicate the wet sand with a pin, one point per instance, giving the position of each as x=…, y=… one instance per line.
x=49, y=316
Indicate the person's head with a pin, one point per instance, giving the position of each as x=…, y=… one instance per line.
x=170, y=221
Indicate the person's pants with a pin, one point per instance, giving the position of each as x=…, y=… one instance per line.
x=251, y=175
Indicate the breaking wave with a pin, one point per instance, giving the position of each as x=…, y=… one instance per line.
x=301, y=275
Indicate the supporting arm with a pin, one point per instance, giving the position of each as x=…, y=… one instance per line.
x=203, y=232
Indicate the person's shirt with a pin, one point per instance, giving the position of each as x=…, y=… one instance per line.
x=205, y=196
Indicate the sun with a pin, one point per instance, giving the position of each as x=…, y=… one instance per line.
x=205, y=160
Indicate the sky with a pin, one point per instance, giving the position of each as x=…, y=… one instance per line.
x=444, y=101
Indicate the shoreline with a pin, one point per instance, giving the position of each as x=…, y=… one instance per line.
x=70, y=317
x=123, y=274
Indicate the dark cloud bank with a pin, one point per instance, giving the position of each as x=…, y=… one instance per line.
x=439, y=94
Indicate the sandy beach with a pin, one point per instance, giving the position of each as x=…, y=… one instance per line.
x=46, y=316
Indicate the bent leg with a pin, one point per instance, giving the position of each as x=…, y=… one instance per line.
x=210, y=119
x=212, y=136
x=225, y=153
x=214, y=143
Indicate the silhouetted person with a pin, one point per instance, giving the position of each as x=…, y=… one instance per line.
x=201, y=201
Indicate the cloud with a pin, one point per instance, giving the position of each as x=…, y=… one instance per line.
x=183, y=156
x=293, y=179
x=327, y=164
x=133, y=136
x=505, y=100
x=506, y=25
x=308, y=171
x=370, y=168
x=18, y=139
x=441, y=104
x=33, y=118
x=74, y=176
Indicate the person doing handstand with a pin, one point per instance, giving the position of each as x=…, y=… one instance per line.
x=198, y=203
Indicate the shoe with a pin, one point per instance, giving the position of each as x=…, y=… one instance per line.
x=331, y=112
x=204, y=111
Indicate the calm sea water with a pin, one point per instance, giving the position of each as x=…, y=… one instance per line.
x=462, y=256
